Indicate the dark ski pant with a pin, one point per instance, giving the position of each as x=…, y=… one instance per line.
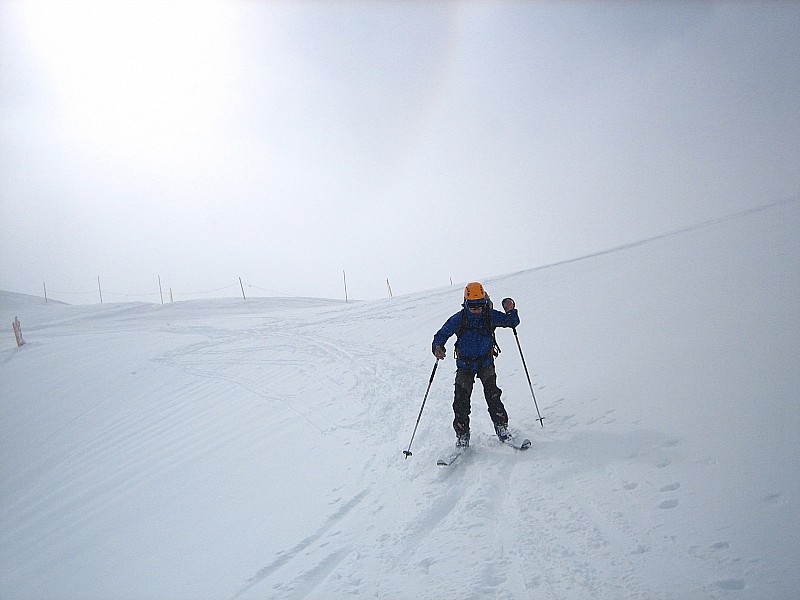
x=465, y=379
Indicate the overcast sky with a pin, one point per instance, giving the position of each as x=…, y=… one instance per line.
x=285, y=142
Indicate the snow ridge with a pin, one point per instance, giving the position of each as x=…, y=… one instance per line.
x=253, y=449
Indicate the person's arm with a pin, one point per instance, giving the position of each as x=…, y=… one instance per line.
x=508, y=319
x=445, y=333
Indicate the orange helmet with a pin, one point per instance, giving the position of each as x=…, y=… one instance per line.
x=474, y=291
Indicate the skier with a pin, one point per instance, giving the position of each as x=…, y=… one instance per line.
x=475, y=350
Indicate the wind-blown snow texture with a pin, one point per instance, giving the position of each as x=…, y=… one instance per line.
x=232, y=449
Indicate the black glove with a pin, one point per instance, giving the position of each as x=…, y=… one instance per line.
x=508, y=304
x=439, y=352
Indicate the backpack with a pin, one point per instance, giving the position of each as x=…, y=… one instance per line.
x=487, y=323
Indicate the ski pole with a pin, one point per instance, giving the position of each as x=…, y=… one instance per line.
x=430, y=381
x=541, y=418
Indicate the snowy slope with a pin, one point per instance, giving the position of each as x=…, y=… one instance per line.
x=232, y=449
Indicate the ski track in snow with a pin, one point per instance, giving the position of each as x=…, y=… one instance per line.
x=476, y=511
x=320, y=571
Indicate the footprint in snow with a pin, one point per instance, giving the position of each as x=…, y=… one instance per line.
x=731, y=584
x=670, y=487
x=720, y=546
x=668, y=504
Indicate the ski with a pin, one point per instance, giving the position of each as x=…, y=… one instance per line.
x=519, y=444
x=449, y=460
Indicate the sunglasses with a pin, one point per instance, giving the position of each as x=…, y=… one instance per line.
x=477, y=307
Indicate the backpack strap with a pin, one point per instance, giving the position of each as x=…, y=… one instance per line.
x=487, y=321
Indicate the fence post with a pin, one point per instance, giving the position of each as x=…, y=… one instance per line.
x=18, y=332
x=99, y=289
x=242, y=286
x=44, y=285
x=160, y=292
x=344, y=276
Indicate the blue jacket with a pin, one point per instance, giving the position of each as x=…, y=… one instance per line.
x=474, y=343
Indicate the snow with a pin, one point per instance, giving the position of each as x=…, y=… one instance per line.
x=254, y=449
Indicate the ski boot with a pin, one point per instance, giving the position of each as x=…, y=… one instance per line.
x=502, y=432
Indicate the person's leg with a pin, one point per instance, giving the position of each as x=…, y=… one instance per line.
x=465, y=379
x=492, y=393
